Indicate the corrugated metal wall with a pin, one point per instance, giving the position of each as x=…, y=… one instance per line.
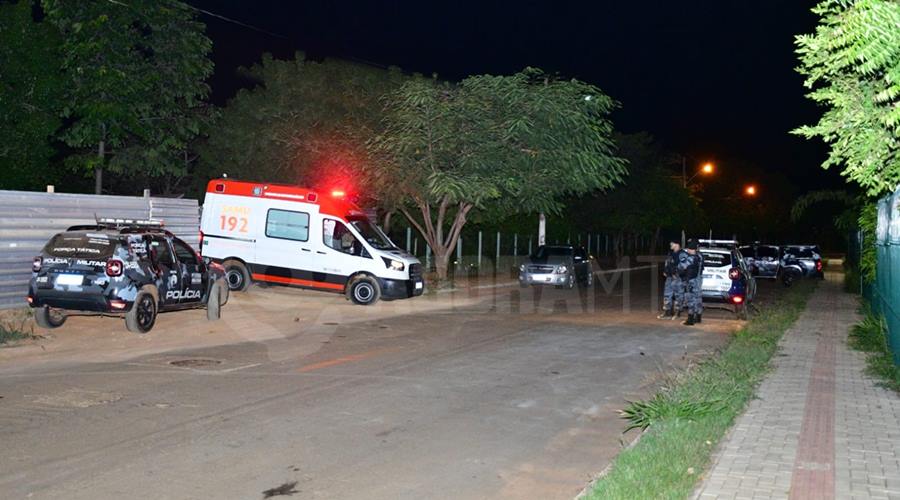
x=885, y=292
x=29, y=219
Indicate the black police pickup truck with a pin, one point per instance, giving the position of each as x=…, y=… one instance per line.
x=124, y=268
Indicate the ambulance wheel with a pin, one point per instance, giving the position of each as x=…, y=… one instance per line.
x=49, y=318
x=142, y=316
x=364, y=290
x=214, y=301
x=236, y=275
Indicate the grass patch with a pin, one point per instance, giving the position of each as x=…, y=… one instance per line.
x=689, y=415
x=14, y=327
x=870, y=336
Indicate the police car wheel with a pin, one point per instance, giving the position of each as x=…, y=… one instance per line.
x=142, y=316
x=236, y=275
x=364, y=291
x=214, y=301
x=49, y=318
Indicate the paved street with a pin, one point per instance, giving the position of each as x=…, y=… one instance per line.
x=820, y=428
x=491, y=392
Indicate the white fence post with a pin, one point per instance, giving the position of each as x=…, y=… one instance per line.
x=479, y=250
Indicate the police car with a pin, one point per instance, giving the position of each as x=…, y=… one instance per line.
x=726, y=277
x=128, y=268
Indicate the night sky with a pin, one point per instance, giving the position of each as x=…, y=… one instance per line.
x=711, y=79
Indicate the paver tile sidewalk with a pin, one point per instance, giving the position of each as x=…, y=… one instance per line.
x=820, y=428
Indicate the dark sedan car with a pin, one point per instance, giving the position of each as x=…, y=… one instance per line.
x=561, y=265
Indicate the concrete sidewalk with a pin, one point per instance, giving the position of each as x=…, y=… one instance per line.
x=820, y=428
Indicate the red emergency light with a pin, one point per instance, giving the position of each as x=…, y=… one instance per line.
x=338, y=193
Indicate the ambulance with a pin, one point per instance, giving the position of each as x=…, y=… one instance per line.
x=289, y=235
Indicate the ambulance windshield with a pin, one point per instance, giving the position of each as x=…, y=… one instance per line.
x=372, y=233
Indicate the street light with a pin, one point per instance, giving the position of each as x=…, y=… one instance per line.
x=707, y=169
x=750, y=190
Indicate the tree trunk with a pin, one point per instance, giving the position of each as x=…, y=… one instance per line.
x=442, y=263
x=441, y=238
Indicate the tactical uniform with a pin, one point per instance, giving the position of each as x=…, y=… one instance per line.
x=691, y=273
x=673, y=290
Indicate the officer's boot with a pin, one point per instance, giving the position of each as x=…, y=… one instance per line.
x=689, y=321
x=667, y=314
x=699, y=318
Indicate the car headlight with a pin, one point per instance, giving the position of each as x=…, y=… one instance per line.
x=562, y=270
x=393, y=265
x=522, y=268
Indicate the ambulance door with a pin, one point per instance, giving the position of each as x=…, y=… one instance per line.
x=230, y=227
x=284, y=252
x=342, y=254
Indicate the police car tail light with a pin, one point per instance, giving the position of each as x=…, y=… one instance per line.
x=734, y=273
x=37, y=263
x=114, y=267
x=818, y=265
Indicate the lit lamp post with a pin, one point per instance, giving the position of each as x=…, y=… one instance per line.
x=707, y=169
x=750, y=190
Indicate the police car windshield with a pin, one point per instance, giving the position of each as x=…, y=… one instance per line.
x=372, y=233
x=716, y=259
x=801, y=252
x=96, y=246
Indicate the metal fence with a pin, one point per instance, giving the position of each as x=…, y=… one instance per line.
x=29, y=219
x=884, y=294
x=486, y=253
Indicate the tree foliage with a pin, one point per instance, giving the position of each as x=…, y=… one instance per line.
x=31, y=97
x=135, y=77
x=304, y=122
x=852, y=65
x=499, y=145
x=649, y=201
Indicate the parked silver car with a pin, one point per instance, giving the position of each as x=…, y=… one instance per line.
x=561, y=265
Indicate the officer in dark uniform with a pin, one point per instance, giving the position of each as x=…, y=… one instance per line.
x=673, y=290
x=691, y=273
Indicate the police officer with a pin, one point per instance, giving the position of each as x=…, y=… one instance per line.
x=673, y=290
x=691, y=273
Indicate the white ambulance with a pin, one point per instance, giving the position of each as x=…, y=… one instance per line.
x=289, y=235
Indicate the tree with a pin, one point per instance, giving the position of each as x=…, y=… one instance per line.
x=852, y=65
x=496, y=144
x=135, y=76
x=649, y=201
x=31, y=96
x=304, y=122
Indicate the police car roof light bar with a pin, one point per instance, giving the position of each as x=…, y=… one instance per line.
x=719, y=242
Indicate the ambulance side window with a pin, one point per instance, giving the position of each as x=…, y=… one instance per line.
x=287, y=225
x=335, y=235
